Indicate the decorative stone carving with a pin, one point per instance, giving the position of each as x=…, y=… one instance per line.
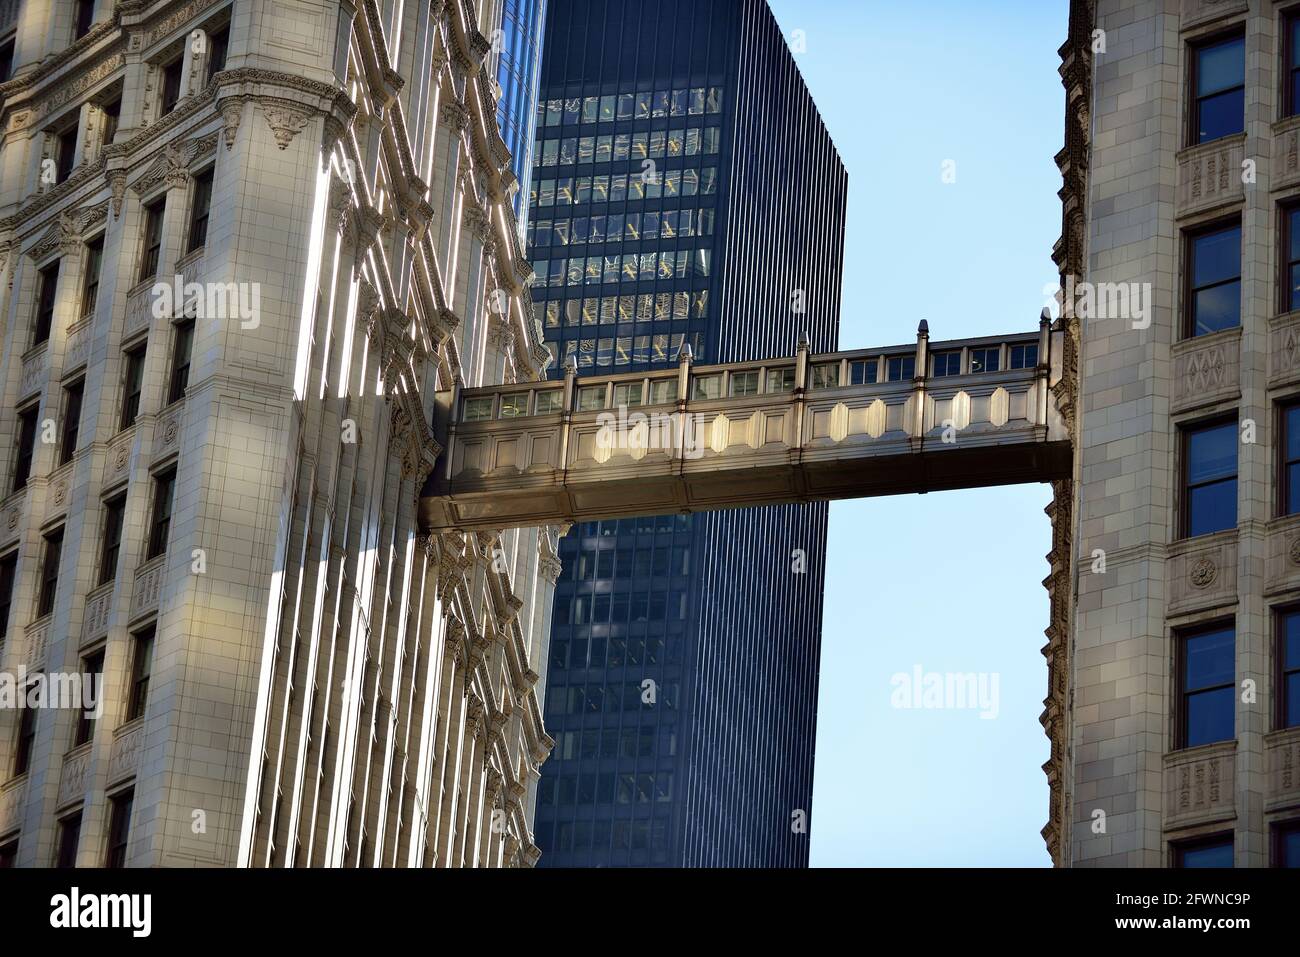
x=1203, y=573
x=1210, y=174
x=232, y=111
x=1199, y=785
x=117, y=185
x=285, y=122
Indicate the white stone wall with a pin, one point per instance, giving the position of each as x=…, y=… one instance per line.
x=329, y=687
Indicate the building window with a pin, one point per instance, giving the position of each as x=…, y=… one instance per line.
x=48, y=284
x=947, y=363
x=92, y=670
x=218, y=45
x=1219, y=89
x=1286, y=844
x=153, y=224
x=863, y=371
x=119, y=828
x=94, y=266
x=8, y=573
x=1290, y=258
x=1214, y=280
x=900, y=369
x=65, y=153
x=1023, y=357
x=112, y=116
x=1206, y=686
x=1209, y=478
x=83, y=18
x=8, y=854
x=69, y=838
x=826, y=375
x=1288, y=668
x=72, y=399
x=164, y=489
x=26, y=447
x=182, y=346
x=199, y=211
x=26, y=737
x=1291, y=58
x=1209, y=852
x=6, y=59
x=114, y=519
x=50, y=573
x=132, y=385
x=171, y=85
x=985, y=360
x=141, y=668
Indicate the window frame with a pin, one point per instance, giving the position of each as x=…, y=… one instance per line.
x=182, y=341
x=1195, y=47
x=25, y=737
x=1185, y=430
x=200, y=210
x=143, y=643
x=169, y=90
x=83, y=19
x=151, y=239
x=28, y=424
x=138, y=350
x=1280, y=670
x=51, y=559
x=1290, y=19
x=1182, y=692
x=72, y=406
x=43, y=317
x=111, y=539
x=65, y=854
x=160, y=518
x=1180, y=847
x=84, y=727
x=1277, y=830
x=1190, y=235
x=93, y=258
x=119, y=828
x=8, y=581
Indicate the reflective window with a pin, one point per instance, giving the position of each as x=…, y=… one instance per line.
x=514, y=405
x=1288, y=669
x=591, y=397
x=1210, y=478
x=1023, y=357
x=1289, y=459
x=1207, y=687
x=744, y=383
x=549, y=401
x=863, y=371
x=1214, y=287
x=985, y=360
x=662, y=391
x=900, y=368
x=477, y=409
x=1292, y=65
x=1287, y=844
x=780, y=380
x=947, y=364
x=1219, y=81
x=627, y=394
x=707, y=387
x=824, y=376
x=1291, y=258
x=1216, y=852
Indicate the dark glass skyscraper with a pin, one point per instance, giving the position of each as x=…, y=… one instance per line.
x=517, y=73
x=684, y=190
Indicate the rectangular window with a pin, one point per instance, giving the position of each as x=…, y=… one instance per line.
x=985, y=360
x=114, y=518
x=1219, y=89
x=1210, y=852
x=863, y=371
x=744, y=383
x=1288, y=669
x=171, y=85
x=164, y=490
x=72, y=399
x=153, y=222
x=1290, y=258
x=83, y=18
x=947, y=363
x=92, y=670
x=1213, y=280
x=199, y=211
x=1286, y=844
x=514, y=405
x=8, y=573
x=1209, y=478
x=477, y=409
x=591, y=397
x=218, y=46
x=65, y=153
x=26, y=446
x=26, y=738
x=8, y=854
x=112, y=115
x=47, y=283
x=69, y=838
x=780, y=380
x=90, y=287
x=132, y=385
x=49, y=583
x=119, y=828
x=549, y=402
x=1206, y=686
x=824, y=376
x=182, y=346
x=141, y=668
x=1291, y=55
x=900, y=368
x=6, y=59
x=1023, y=357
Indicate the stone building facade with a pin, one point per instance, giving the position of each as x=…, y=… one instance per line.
x=1181, y=172
x=211, y=492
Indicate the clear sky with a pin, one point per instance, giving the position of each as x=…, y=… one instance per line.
x=950, y=582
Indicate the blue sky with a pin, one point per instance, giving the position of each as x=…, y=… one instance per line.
x=951, y=581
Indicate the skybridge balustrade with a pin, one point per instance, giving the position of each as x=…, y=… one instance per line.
x=913, y=418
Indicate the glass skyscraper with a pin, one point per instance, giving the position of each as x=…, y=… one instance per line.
x=520, y=53
x=684, y=191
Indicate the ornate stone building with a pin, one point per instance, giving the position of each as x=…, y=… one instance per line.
x=243, y=246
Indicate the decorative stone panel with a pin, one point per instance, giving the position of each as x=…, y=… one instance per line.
x=167, y=437
x=139, y=309
x=118, y=460
x=11, y=804
x=11, y=517
x=1283, y=753
x=1207, y=370
x=37, y=636
x=72, y=781
x=148, y=582
x=1286, y=152
x=99, y=609
x=1203, y=572
x=33, y=374
x=1283, y=567
x=1284, y=350
x=1197, y=12
x=1200, y=785
x=77, y=352
x=1209, y=175
x=124, y=758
